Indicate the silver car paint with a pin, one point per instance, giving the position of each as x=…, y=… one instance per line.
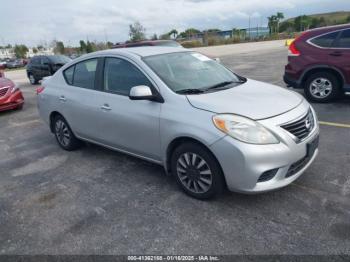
x=146, y=129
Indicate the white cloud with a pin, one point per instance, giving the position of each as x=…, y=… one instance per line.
x=36, y=21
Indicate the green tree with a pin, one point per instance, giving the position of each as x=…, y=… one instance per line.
x=137, y=32
x=272, y=21
x=174, y=33
x=90, y=47
x=21, y=51
x=59, y=48
x=82, y=46
x=35, y=50
x=165, y=36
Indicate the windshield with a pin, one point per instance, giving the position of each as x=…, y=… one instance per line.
x=59, y=59
x=190, y=71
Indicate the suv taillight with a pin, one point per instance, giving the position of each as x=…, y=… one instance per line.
x=293, y=50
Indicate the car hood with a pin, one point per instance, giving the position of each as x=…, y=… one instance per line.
x=253, y=99
x=4, y=82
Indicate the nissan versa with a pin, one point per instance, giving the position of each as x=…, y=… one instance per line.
x=206, y=125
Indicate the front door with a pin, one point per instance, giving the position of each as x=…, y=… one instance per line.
x=129, y=125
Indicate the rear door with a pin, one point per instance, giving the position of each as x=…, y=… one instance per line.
x=340, y=55
x=324, y=47
x=35, y=64
x=45, y=69
x=79, y=100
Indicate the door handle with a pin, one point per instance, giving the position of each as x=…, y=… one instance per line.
x=106, y=107
x=336, y=54
x=63, y=99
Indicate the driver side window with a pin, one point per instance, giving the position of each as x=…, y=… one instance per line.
x=120, y=76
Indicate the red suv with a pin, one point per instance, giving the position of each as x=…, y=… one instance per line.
x=319, y=62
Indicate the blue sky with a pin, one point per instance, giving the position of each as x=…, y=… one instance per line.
x=40, y=21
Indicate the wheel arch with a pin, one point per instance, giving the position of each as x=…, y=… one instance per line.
x=183, y=139
x=323, y=68
x=52, y=117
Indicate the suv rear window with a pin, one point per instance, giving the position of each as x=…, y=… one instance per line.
x=326, y=40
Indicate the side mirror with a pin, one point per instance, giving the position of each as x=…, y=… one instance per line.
x=144, y=93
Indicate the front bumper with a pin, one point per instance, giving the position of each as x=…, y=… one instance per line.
x=243, y=164
x=12, y=101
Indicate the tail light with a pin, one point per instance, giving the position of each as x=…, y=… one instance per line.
x=39, y=90
x=293, y=50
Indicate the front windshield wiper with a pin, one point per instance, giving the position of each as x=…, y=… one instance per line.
x=189, y=91
x=222, y=84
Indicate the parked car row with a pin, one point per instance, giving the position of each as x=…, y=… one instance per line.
x=13, y=63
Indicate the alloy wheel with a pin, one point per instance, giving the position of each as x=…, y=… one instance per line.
x=31, y=79
x=194, y=173
x=321, y=87
x=62, y=133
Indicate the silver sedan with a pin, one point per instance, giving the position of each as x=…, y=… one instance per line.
x=209, y=127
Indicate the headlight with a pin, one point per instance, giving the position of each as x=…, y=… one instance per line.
x=14, y=89
x=244, y=129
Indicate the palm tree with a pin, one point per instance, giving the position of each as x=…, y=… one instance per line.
x=272, y=23
x=279, y=16
x=174, y=33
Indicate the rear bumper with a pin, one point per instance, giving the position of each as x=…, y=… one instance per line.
x=291, y=81
x=14, y=101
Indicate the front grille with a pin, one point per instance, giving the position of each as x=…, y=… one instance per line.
x=3, y=91
x=302, y=127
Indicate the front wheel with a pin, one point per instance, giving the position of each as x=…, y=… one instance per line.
x=197, y=171
x=64, y=135
x=32, y=79
x=322, y=87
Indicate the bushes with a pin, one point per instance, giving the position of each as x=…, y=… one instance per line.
x=191, y=43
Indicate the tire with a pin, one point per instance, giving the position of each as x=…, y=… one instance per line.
x=32, y=79
x=64, y=135
x=197, y=172
x=322, y=87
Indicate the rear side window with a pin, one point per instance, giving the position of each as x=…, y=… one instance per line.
x=344, y=40
x=84, y=74
x=120, y=76
x=35, y=60
x=326, y=40
x=68, y=75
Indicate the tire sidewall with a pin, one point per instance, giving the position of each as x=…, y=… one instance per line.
x=30, y=80
x=73, y=141
x=217, y=175
x=331, y=78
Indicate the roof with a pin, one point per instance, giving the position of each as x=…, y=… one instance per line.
x=144, y=50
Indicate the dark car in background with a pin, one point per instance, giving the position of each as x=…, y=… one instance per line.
x=14, y=63
x=169, y=43
x=43, y=66
x=319, y=62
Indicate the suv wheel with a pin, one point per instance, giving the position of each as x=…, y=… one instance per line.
x=197, y=171
x=32, y=79
x=64, y=135
x=322, y=87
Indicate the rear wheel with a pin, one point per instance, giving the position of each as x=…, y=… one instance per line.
x=32, y=79
x=64, y=135
x=197, y=171
x=322, y=87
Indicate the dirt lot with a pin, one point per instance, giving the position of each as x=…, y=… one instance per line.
x=96, y=201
